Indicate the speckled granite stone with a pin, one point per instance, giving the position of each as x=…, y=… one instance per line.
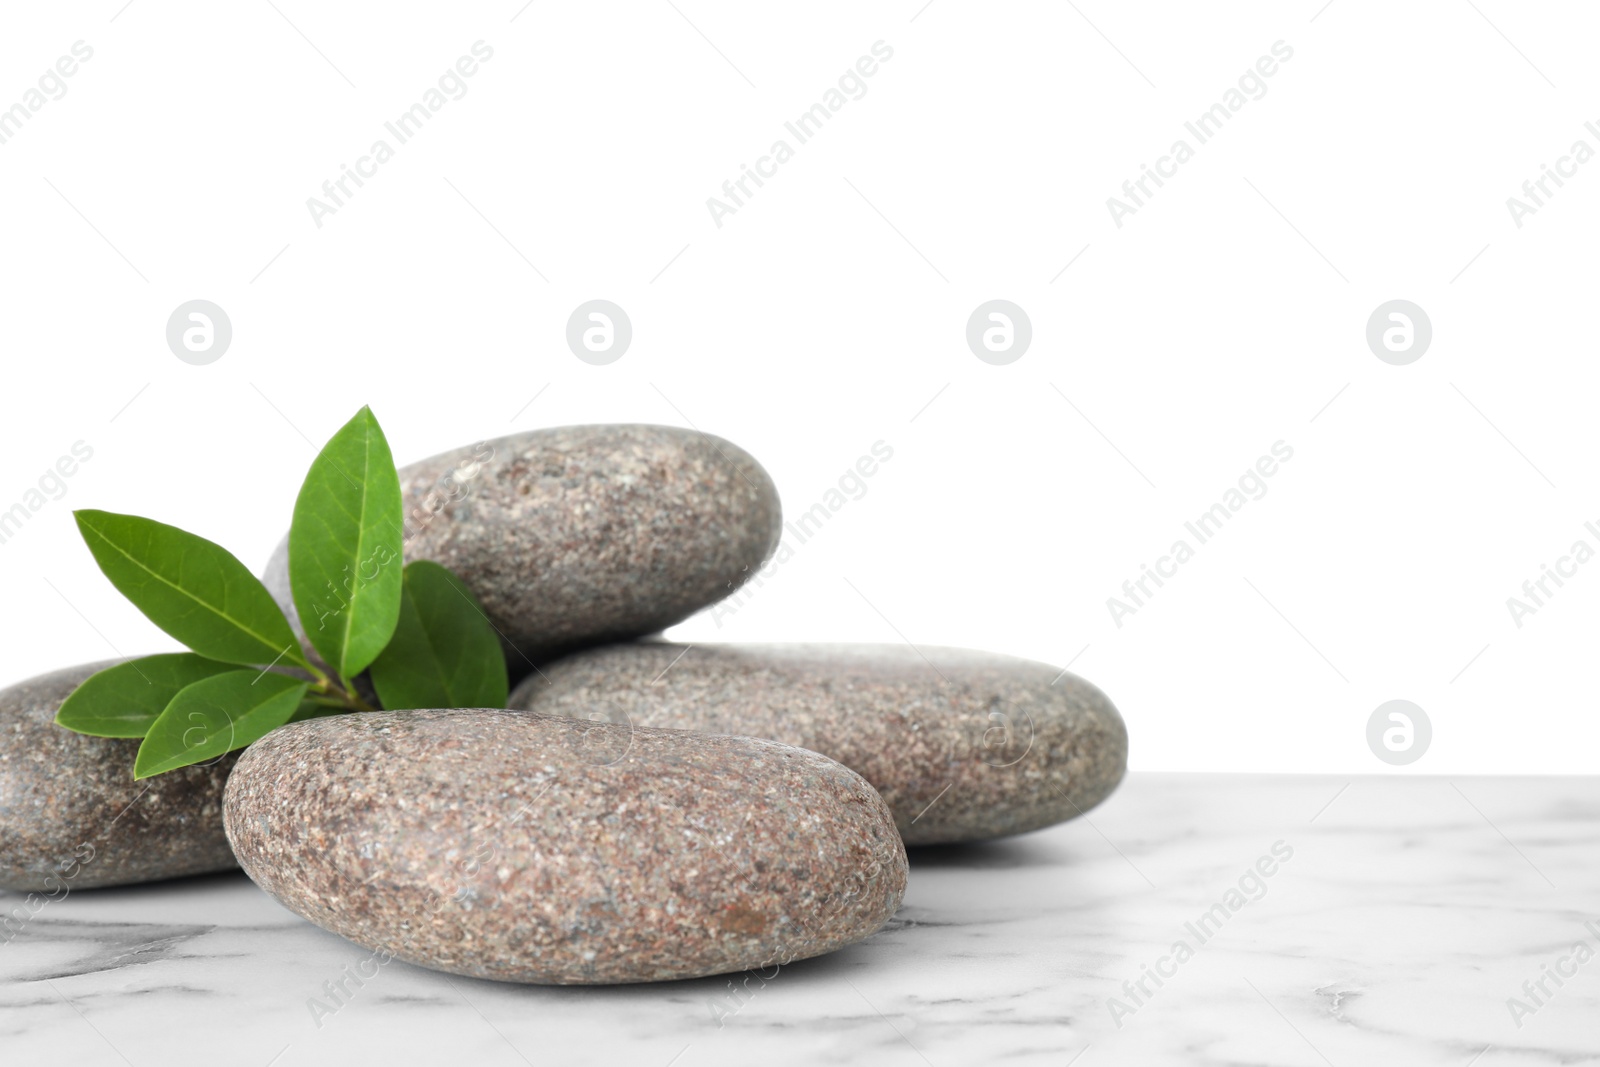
x=963, y=745
x=71, y=814
x=551, y=850
x=583, y=534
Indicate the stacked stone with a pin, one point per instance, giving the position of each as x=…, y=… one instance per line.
x=645, y=811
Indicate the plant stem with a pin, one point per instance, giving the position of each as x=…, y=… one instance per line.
x=358, y=704
x=341, y=693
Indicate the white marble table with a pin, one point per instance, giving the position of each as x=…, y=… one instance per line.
x=1410, y=911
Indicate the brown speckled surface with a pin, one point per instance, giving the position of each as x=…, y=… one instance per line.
x=581, y=534
x=963, y=745
x=544, y=849
x=71, y=814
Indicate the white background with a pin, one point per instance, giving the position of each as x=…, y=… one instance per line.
x=1226, y=315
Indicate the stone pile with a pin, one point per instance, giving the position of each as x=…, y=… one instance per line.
x=644, y=810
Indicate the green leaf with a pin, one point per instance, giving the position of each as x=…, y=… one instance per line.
x=193, y=589
x=344, y=547
x=217, y=715
x=123, y=701
x=445, y=652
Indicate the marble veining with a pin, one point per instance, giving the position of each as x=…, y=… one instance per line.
x=1402, y=917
